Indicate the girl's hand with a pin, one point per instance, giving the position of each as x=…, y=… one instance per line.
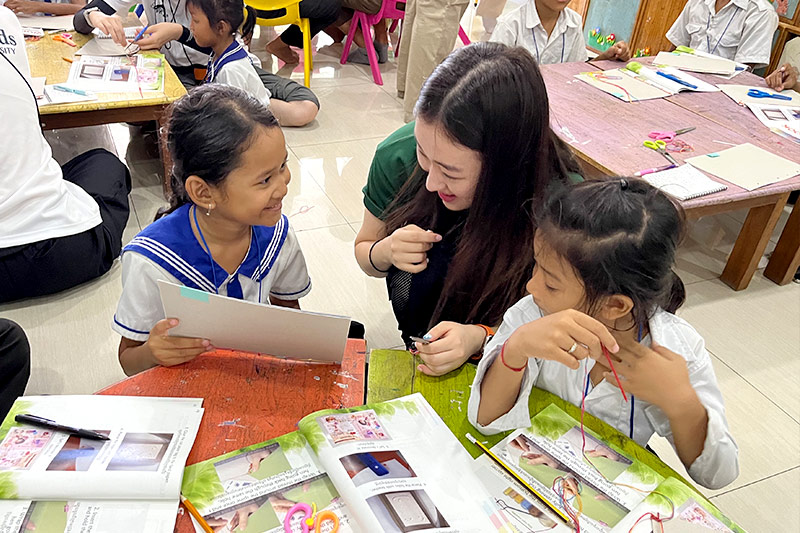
x=451, y=346
x=157, y=35
x=24, y=7
x=170, y=351
x=409, y=246
x=656, y=375
x=109, y=25
x=553, y=336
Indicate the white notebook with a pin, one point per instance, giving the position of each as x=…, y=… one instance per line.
x=684, y=182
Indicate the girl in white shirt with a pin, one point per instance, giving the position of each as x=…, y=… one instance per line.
x=215, y=24
x=603, y=277
x=224, y=232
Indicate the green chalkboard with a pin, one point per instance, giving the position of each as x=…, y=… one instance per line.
x=611, y=16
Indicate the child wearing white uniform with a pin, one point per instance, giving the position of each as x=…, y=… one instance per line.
x=604, y=253
x=224, y=232
x=551, y=32
x=740, y=30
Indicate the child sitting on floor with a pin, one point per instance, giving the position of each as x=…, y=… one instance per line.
x=603, y=278
x=223, y=233
x=551, y=32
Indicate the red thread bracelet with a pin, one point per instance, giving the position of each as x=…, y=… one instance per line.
x=503, y=360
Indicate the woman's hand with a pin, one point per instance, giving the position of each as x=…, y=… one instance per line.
x=782, y=78
x=109, y=25
x=656, y=375
x=451, y=345
x=157, y=35
x=552, y=337
x=170, y=351
x=408, y=247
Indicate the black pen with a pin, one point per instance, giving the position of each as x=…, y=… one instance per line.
x=50, y=424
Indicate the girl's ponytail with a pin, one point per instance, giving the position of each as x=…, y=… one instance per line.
x=675, y=296
x=249, y=21
x=177, y=197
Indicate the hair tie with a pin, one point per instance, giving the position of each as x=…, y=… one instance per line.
x=623, y=184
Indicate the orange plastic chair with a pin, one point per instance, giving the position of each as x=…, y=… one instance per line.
x=292, y=16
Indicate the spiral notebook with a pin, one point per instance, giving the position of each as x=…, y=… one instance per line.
x=684, y=182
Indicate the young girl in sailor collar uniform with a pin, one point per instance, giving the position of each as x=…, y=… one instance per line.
x=224, y=231
x=215, y=24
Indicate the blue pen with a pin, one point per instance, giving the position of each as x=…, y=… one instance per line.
x=70, y=90
x=141, y=32
x=676, y=79
x=373, y=464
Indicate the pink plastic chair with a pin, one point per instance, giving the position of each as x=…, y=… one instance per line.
x=388, y=10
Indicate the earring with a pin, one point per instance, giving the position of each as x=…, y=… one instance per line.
x=208, y=211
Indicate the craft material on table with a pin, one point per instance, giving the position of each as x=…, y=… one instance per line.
x=37, y=85
x=104, y=45
x=136, y=73
x=747, y=166
x=696, y=63
x=668, y=78
x=636, y=82
x=684, y=182
x=79, y=483
x=661, y=148
x=58, y=22
x=780, y=119
x=669, y=135
x=57, y=96
x=739, y=94
x=248, y=326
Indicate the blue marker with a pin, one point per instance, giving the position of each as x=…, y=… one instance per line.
x=70, y=90
x=676, y=79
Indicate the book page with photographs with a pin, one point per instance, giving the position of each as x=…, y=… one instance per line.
x=252, y=489
x=400, y=468
x=118, y=74
x=149, y=441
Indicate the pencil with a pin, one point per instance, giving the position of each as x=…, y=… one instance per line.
x=561, y=516
x=196, y=514
x=68, y=60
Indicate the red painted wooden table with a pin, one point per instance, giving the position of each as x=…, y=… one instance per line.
x=250, y=398
x=606, y=134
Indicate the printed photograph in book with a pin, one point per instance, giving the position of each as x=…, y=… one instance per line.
x=21, y=446
x=349, y=427
x=140, y=452
x=376, y=466
x=78, y=454
x=406, y=510
x=267, y=512
x=252, y=466
x=47, y=517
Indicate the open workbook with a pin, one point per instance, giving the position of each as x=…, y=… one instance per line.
x=395, y=467
x=54, y=482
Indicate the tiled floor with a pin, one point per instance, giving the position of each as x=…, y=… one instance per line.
x=753, y=335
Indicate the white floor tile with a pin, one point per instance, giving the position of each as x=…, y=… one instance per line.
x=68, y=143
x=769, y=506
x=756, y=332
x=767, y=437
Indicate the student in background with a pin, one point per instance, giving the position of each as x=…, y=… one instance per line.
x=604, y=253
x=45, y=7
x=223, y=233
x=740, y=30
x=219, y=25
x=551, y=32
x=15, y=364
x=450, y=198
x=785, y=77
x=59, y=226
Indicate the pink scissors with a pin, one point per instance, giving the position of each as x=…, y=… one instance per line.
x=310, y=517
x=669, y=135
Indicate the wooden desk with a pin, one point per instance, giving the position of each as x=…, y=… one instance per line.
x=46, y=59
x=606, y=134
x=251, y=398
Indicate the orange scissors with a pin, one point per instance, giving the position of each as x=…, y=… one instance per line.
x=311, y=518
x=65, y=40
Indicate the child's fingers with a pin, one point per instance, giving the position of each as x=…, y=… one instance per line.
x=600, y=332
x=439, y=330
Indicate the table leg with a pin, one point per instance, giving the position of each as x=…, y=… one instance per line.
x=751, y=243
x=166, y=160
x=786, y=256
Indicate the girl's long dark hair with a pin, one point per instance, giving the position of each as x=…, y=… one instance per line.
x=620, y=237
x=234, y=12
x=492, y=99
x=208, y=131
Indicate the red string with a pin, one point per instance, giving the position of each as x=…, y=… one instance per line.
x=608, y=358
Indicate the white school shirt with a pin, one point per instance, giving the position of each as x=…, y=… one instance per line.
x=522, y=27
x=36, y=202
x=157, y=11
x=238, y=72
x=140, y=306
x=716, y=467
x=741, y=31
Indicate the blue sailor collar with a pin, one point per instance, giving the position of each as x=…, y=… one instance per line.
x=234, y=52
x=170, y=243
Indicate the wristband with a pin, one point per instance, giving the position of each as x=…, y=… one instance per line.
x=503, y=360
x=487, y=337
x=369, y=256
x=87, y=12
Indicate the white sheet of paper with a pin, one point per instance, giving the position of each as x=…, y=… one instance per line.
x=52, y=96
x=59, y=22
x=684, y=182
x=738, y=93
x=696, y=63
x=252, y=327
x=747, y=166
x=37, y=84
x=101, y=47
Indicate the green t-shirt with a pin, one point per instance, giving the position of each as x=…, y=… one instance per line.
x=394, y=162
